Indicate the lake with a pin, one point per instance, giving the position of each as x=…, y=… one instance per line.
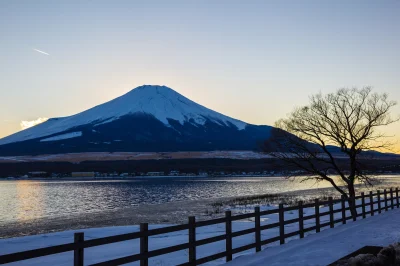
x=24, y=200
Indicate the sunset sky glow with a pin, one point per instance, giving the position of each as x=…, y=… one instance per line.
x=251, y=60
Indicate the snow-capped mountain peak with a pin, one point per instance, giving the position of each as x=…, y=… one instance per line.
x=164, y=103
x=159, y=101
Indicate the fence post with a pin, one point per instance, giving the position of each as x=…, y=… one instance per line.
x=391, y=199
x=363, y=204
x=331, y=217
x=192, y=240
x=317, y=223
x=79, y=251
x=354, y=202
x=397, y=197
x=385, y=199
x=379, y=202
x=371, y=203
x=258, y=228
x=144, y=243
x=343, y=210
x=301, y=220
x=228, y=231
x=281, y=224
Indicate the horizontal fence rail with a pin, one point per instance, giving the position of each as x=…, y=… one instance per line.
x=390, y=201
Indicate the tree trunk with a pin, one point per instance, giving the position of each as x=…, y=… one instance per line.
x=352, y=201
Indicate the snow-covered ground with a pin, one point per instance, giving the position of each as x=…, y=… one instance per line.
x=318, y=249
x=328, y=246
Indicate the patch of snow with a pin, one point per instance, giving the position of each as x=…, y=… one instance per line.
x=315, y=249
x=45, y=157
x=243, y=155
x=159, y=101
x=63, y=136
x=105, y=122
x=11, y=159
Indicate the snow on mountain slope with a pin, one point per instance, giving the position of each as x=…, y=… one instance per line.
x=160, y=101
x=63, y=136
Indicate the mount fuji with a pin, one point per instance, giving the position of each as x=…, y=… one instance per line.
x=146, y=119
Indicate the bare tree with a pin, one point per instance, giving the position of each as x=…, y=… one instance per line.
x=342, y=125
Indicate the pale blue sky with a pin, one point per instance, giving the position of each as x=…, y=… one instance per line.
x=252, y=60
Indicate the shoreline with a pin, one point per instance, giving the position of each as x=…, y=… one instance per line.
x=176, y=212
x=118, y=178
x=129, y=177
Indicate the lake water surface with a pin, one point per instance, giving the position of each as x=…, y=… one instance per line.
x=24, y=200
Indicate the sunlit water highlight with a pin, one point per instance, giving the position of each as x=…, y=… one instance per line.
x=24, y=200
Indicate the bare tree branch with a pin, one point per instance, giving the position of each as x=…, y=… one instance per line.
x=345, y=123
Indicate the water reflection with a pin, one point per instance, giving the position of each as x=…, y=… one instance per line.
x=29, y=203
x=24, y=200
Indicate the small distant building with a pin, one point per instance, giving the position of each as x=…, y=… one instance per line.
x=155, y=173
x=38, y=174
x=82, y=174
x=173, y=173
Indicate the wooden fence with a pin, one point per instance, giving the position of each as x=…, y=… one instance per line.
x=390, y=201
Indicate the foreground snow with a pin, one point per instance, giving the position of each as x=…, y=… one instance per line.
x=330, y=245
x=317, y=249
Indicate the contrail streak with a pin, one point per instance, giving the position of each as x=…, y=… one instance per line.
x=40, y=51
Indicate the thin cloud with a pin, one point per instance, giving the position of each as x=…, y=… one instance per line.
x=28, y=124
x=39, y=51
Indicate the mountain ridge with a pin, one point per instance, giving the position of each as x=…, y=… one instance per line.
x=147, y=118
x=164, y=109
